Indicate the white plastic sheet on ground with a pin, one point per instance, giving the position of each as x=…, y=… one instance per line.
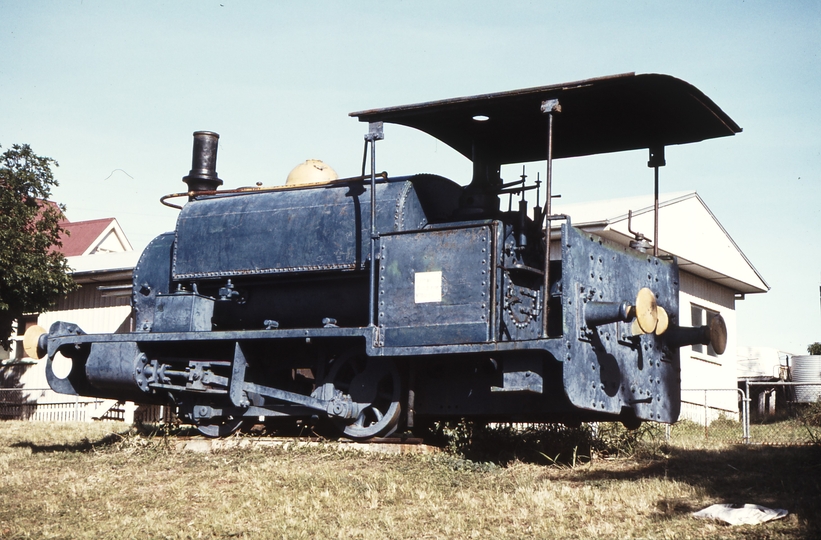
x=748, y=514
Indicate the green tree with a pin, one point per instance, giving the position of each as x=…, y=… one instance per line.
x=33, y=275
x=814, y=348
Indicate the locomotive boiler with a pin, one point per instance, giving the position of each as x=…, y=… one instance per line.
x=383, y=302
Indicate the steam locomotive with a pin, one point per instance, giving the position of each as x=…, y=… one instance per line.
x=378, y=303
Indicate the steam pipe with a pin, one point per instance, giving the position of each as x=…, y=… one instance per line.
x=656, y=214
x=375, y=133
x=549, y=107
x=246, y=190
x=656, y=161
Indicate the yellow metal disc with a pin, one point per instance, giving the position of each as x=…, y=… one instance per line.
x=636, y=329
x=664, y=321
x=30, y=339
x=646, y=310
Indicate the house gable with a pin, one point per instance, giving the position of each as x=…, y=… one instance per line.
x=687, y=230
x=93, y=236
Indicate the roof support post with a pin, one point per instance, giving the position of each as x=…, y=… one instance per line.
x=375, y=133
x=549, y=107
x=656, y=161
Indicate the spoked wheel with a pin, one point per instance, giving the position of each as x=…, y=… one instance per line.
x=220, y=428
x=374, y=386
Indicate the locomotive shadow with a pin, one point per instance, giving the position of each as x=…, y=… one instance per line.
x=775, y=477
x=86, y=445
x=112, y=440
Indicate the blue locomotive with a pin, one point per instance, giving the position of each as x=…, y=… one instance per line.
x=378, y=302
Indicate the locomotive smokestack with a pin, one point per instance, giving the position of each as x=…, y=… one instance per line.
x=480, y=198
x=203, y=175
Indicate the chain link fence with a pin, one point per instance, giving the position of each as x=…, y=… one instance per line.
x=761, y=413
x=783, y=413
x=709, y=416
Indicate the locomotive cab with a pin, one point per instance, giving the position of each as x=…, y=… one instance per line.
x=376, y=302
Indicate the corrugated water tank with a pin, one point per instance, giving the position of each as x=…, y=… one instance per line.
x=807, y=369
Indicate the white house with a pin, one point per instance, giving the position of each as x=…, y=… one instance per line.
x=101, y=261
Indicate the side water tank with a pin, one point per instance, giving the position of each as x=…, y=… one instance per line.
x=807, y=369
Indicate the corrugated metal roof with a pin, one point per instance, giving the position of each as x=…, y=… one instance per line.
x=103, y=262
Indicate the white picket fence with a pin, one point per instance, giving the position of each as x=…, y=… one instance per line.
x=43, y=404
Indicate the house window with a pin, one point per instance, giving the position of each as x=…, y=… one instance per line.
x=702, y=317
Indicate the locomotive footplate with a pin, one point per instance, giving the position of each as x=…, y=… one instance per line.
x=215, y=393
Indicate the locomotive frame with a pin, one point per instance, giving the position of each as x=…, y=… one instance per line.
x=377, y=303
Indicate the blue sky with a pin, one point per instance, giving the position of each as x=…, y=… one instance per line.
x=113, y=91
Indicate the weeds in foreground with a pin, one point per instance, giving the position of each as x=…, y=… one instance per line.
x=811, y=418
x=552, y=444
x=811, y=415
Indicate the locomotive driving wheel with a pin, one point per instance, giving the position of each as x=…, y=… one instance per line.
x=374, y=387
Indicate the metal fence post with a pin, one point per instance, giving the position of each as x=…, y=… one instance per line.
x=706, y=435
x=745, y=411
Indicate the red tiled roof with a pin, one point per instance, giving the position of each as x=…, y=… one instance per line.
x=83, y=234
x=53, y=206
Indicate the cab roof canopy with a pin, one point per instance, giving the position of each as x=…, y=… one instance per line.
x=608, y=114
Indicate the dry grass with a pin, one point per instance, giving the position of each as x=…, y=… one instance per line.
x=78, y=481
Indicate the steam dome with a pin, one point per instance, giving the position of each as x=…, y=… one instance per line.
x=311, y=172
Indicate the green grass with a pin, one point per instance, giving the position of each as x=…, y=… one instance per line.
x=106, y=481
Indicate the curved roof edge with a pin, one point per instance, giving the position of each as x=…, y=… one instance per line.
x=607, y=114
